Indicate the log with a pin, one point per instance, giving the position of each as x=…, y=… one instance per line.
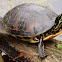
x=53, y=54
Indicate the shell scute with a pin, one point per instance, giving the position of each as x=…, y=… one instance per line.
x=30, y=19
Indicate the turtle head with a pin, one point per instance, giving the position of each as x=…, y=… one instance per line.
x=58, y=23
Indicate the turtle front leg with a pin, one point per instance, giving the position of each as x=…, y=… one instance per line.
x=41, y=52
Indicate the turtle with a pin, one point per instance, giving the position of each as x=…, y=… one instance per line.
x=32, y=23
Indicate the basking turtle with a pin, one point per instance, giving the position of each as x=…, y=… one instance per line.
x=32, y=23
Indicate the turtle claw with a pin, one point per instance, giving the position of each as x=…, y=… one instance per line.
x=43, y=55
x=41, y=52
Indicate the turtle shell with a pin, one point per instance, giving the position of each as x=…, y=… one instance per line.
x=29, y=20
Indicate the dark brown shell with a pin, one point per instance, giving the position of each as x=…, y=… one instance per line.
x=29, y=19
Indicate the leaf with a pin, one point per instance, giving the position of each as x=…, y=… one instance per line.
x=60, y=35
x=47, y=6
x=58, y=42
x=59, y=46
x=18, y=8
x=10, y=6
x=9, y=0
